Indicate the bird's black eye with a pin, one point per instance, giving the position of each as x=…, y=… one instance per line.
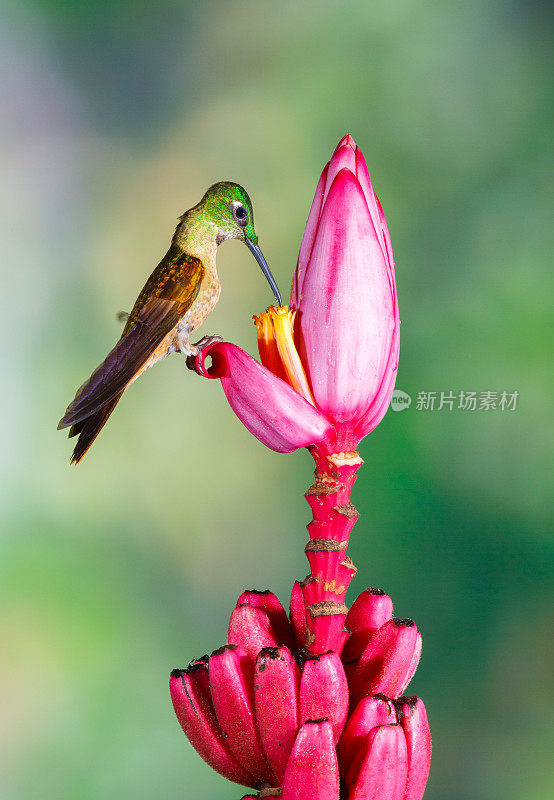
x=240, y=214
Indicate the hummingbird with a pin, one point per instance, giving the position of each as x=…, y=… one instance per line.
x=175, y=300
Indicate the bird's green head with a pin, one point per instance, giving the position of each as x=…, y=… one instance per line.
x=229, y=208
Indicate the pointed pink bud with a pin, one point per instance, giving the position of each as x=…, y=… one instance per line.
x=348, y=314
x=324, y=690
x=344, y=157
x=270, y=408
x=388, y=662
x=369, y=611
x=347, y=139
x=250, y=628
x=379, y=770
x=307, y=241
x=298, y=615
x=413, y=719
x=231, y=674
x=273, y=607
x=276, y=682
x=190, y=693
x=312, y=771
x=370, y=712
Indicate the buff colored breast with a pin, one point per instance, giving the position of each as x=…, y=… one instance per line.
x=203, y=304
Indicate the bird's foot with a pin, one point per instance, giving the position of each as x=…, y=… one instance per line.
x=206, y=341
x=196, y=348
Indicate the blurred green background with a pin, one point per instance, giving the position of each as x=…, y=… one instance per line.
x=115, y=118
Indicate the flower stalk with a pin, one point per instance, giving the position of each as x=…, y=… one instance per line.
x=331, y=569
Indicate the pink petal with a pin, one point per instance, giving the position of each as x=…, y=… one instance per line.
x=370, y=712
x=347, y=313
x=324, y=691
x=372, y=201
x=371, y=609
x=231, y=674
x=388, y=662
x=312, y=771
x=380, y=769
x=271, y=409
x=307, y=241
x=344, y=157
x=250, y=628
x=298, y=615
x=270, y=603
x=276, y=685
x=386, y=236
x=413, y=719
x=190, y=693
x=379, y=405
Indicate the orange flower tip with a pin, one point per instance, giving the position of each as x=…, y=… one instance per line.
x=274, y=311
x=266, y=316
x=277, y=327
x=259, y=319
x=345, y=459
x=279, y=311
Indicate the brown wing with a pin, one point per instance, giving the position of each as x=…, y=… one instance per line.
x=165, y=299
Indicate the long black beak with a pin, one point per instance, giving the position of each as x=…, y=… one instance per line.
x=259, y=256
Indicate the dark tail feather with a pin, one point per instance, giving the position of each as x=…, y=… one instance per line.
x=89, y=428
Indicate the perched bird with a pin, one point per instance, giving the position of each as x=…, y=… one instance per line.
x=175, y=300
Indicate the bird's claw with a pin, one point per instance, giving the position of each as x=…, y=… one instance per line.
x=200, y=345
x=206, y=341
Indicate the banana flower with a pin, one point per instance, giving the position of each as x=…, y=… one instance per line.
x=311, y=706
